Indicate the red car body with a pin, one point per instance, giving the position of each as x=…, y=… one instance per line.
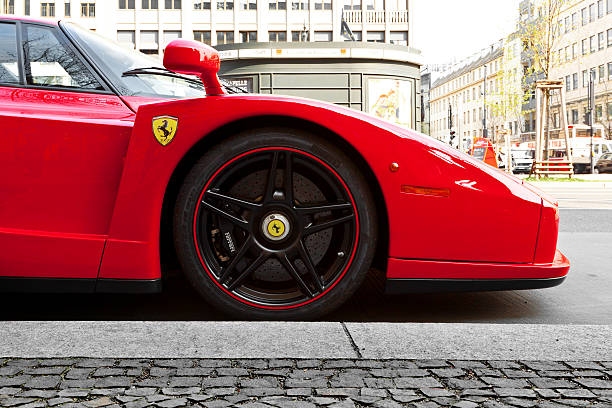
x=85, y=186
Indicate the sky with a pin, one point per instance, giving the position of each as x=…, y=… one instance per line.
x=444, y=29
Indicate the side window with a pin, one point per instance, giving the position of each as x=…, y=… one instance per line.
x=48, y=62
x=9, y=71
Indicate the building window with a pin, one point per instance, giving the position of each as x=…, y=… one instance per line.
x=202, y=36
x=610, y=36
x=248, y=36
x=300, y=36
x=149, y=4
x=574, y=115
x=609, y=71
x=67, y=9
x=585, y=46
x=322, y=36
x=598, y=111
x=352, y=4
x=600, y=8
x=593, y=42
x=47, y=9
x=277, y=36
x=149, y=41
x=278, y=4
x=585, y=16
x=127, y=4
x=201, y=5
x=171, y=35
x=575, y=80
x=9, y=6
x=26, y=7
x=609, y=6
x=88, y=9
x=126, y=37
x=376, y=36
x=323, y=5
x=173, y=4
x=568, y=83
x=592, y=12
x=574, y=21
x=574, y=50
x=225, y=37
x=225, y=5
x=602, y=73
x=299, y=5
x=585, y=78
x=248, y=4
x=398, y=37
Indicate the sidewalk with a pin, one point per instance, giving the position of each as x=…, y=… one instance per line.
x=282, y=364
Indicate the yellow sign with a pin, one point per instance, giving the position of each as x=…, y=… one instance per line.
x=276, y=228
x=164, y=129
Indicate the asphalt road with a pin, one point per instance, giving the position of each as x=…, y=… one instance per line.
x=584, y=298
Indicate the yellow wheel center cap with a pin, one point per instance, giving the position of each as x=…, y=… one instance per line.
x=275, y=227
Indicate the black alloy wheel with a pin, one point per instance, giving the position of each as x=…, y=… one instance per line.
x=266, y=227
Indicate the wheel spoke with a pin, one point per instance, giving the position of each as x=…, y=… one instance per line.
x=248, y=270
x=271, y=180
x=226, y=272
x=232, y=200
x=295, y=275
x=311, y=229
x=288, y=178
x=309, y=265
x=323, y=208
x=235, y=220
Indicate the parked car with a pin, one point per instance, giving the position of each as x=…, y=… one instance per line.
x=604, y=164
x=275, y=207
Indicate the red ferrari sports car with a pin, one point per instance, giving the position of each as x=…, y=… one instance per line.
x=275, y=207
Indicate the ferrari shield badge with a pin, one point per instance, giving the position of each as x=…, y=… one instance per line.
x=164, y=128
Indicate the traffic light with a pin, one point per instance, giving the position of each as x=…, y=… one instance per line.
x=452, y=136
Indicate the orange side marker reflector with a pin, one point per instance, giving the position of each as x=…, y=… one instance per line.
x=428, y=191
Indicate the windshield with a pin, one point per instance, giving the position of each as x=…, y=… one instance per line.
x=523, y=154
x=479, y=153
x=114, y=60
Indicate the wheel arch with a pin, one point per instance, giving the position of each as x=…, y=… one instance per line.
x=166, y=247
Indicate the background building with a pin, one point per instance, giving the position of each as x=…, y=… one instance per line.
x=381, y=79
x=485, y=84
x=148, y=25
x=584, y=49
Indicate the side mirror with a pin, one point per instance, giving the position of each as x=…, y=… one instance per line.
x=195, y=58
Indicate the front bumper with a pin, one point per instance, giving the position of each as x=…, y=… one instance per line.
x=410, y=275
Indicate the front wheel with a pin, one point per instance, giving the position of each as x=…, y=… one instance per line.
x=275, y=224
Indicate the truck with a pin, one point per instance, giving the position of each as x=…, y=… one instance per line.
x=580, y=145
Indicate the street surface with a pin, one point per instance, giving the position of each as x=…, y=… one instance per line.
x=261, y=383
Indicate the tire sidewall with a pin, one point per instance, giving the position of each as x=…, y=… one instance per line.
x=244, y=142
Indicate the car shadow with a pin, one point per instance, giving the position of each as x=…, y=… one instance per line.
x=179, y=302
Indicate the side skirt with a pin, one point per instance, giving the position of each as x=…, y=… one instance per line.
x=399, y=286
x=69, y=285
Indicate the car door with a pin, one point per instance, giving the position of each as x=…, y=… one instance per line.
x=64, y=137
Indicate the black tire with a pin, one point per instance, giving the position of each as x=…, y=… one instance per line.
x=238, y=263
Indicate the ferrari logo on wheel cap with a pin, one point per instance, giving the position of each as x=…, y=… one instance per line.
x=164, y=128
x=275, y=227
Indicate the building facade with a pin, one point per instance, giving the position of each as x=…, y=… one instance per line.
x=148, y=25
x=485, y=85
x=584, y=50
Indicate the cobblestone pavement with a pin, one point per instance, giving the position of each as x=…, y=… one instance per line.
x=303, y=383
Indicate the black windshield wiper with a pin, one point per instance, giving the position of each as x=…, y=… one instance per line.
x=232, y=89
x=160, y=71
